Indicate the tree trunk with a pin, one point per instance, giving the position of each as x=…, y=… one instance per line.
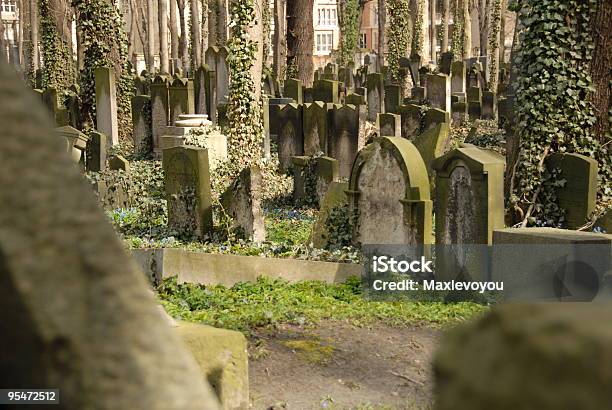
x=445, y=19
x=3, y=54
x=502, y=32
x=222, y=22
x=256, y=31
x=164, y=58
x=382, y=28
x=467, y=29
x=601, y=69
x=174, y=37
x=196, y=37
x=494, y=42
x=300, y=39
x=433, y=37
x=205, y=44
x=34, y=36
x=151, y=24
x=280, y=38
x=183, y=43
x=483, y=16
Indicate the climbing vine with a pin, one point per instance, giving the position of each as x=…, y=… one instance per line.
x=267, y=30
x=106, y=45
x=58, y=63
x=349, y=32
x=494, y=44
x=553, y=112
x=244, y=111
x=398, y=35
x=418, y=38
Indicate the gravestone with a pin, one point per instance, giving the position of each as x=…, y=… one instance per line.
x=375, y=95
x=418, y=93
x=469, y=207
x=458, y=77
x=200, y=87
x=312, y=177
x=345, y=141
x=118, y=163
x=411, y=116
x=355, y=99
x=180, y=95
x=389, y=125
x=459, y=113
x=334, y=200
x=160, y=108
x=579, y=193
x=106, y=328
x=106, y=104
x=293, y=89
x=474, y=99
x=187, y=182
x=393, y=98
x=433, y=144
x=141, y=125
x=75, y=142
x=326, y=91
x=243, y=202
x=141, y=85
x=489, y=105
x=290, y=134
x=308, y=94
x=435, y=116
x=222, y=74
x=315, y=128
x=446, y=60
x=345, y=75
x=389, y=194
x=96, y=151
x=439, y=91
x=72, y=101
x=415, y=65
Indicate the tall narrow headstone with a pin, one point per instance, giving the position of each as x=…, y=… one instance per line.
x=141, y=125
x=96, y=151
x=106, y=104
x=375, y=95
x=326, y=91
x=393, y=98
x=293, y=89
x=180, y=95
x=458, y=77
x=199, y=87
x=315, y=128
x=411, y=117
x=345, y=141
x=160, y=108
x=389, y=125
x=439, y=91
x=290, y=135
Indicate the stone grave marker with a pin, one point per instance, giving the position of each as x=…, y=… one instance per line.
x=579, y=193
x=389, y=194
x=200, y=87
x=142, y=132
x=375, y=95
x=345, y=141
x=418, y=93
x=469, y=207
x=106, y=104
x=459, y=113
x=293, y=89
x=326, y=91
x=96, y=151
x=76, y=142
x=243, y=202
x=433, y=144
x=316, y=119
x=160, y=108
x=446, y=61
x=411, y=120
x=290, y=134
x=389, y=125
x=180, y=95
x=334, y=200
x=439, y=91
x=489, y=105
x=435, y=116
x=118, y=163
x=393, y=98
x=106, y=328
x=458, y=77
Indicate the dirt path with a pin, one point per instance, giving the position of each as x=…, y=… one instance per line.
x=338, y=366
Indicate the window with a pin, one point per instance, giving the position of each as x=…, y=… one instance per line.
x=326, y=16
x=9, y=6
x=363, y=40
x=325, y=43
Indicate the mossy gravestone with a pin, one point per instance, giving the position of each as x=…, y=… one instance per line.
x=312, y=177
x=160, y=109
x=334, y=203
x=181, y=97
x=522, y=357
x=141, y=124
x=375, y=95
x=389, y=194
x=411, y=120
x=77, y=315
x=345, y=142
x=187, y=181
x=433, y=144
x=290, y=135
x=578, y=194
x=389, y=125
x=242, y=202
x=315, y=128
x=469, y=206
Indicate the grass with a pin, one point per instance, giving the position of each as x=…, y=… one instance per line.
x=268, y=303
x=290, y=227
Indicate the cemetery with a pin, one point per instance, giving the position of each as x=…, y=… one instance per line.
x=193, y=198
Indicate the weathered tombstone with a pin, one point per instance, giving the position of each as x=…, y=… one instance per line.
x=326, y=91
x=393, y=98
x=389, y=125
x=489, y=105
x=160, y=108
x=187, y=181
x=64, y=342
x=312, y=177
x=200, y=87
x=212, y=97
x=579, y=193
x=308, y=94
x=389, y=194
x=334, y=201
x=73, y=106
x=435, y=116
x=76, y=142
x=355, y=99
x=293, y=89
x=469, y=207
x=96, y=151
x=446, y=60
x=290, y=135
x=106, y=104
x=375, y=95
x=458, y=77
x=534, y=348
x=459, y=113
x=345, y=142
x=315, y=128
x=345, y=75
x=141, y=125
x=415, y=64
x=51, y=100
x=439, y=91
x=418, y=93
x=118, y=163
x=180, y=95
x=243, y=202
x=141, y=85
x=433, y=144
x=411, y=116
